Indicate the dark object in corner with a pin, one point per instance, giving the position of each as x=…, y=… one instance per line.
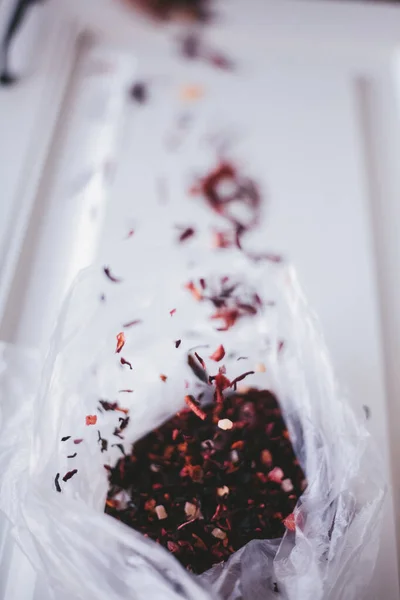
x=17, y=16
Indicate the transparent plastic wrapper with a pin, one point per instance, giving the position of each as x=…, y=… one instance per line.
x=86, y=553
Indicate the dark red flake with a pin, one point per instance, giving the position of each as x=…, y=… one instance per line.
x=128, y=391
x=64, y=439
x=131, y=323
x=78, y=441
x=70, y=474
x=228, y=315
x=172, y=312
x=221, y=62
x=190, y=401
x=103, y=442
x=186, y=234
x=199, y=372
x=163, y=377
x=123, y=361
x=242, y=190
x=177, y=343
x=240, y=378
x=114, y=405
x=58, y=488
x=120, y=447
x=72, y=455
x=201, y=361
x=110, y=276
x=221, y=383
x=139, y=92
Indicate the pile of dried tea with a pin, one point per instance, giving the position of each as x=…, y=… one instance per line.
x=211, y=479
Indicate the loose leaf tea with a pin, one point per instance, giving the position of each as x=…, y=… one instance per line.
x=204, y=487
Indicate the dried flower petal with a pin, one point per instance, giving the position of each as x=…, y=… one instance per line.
x=65, y=438
x=172, y=312
x=198, y=371
x=177, y=343
x=72, y=455
x=190, y=401
x=186, y=234
x=201, y=361
x=163, y=377
x=196, y=293
x=240, y=378
x=58, y=488
x=110, y=276
x=70, y=474
x=91, y=420
x=123, y=361
x=132, y=323
x=218, y=354
x=120, y=342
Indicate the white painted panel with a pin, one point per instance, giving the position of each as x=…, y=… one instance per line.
x=298, y=130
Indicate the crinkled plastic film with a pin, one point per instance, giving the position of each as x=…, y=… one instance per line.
x=87, y=554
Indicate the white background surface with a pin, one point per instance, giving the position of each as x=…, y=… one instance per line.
x=300, y=111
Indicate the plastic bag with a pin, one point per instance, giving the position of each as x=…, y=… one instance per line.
x=87, y=554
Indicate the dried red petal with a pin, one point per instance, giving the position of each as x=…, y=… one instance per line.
x=196, y=293
x=186, y=234
x=78, y=441
x=163, y=377
x=201, y=361
x=120, y=342
x=221, y=383
x=228, y=315
x=123, y=361
x=240, y=378
x=70, y=474
x=222, y=239
x=131, y=323
x=290, y=522
x=221, y=62
x=172, y=312
x=91, y=420
x=218, y=354
x=190, y=401
x=177, y=343
x=110, y=276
